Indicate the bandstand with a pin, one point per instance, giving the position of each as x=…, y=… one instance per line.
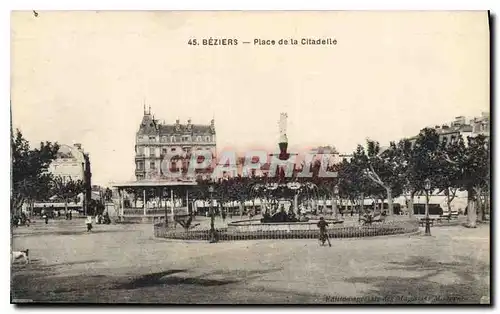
x=160, y=199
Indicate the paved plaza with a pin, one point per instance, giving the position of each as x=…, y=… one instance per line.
x=125, y=263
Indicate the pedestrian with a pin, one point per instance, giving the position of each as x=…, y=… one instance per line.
x=89, y=223
x=46, y=218
x=323, y=235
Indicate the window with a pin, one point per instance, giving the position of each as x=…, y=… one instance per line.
x=164, y=151
x=140, y=165
x=151, y=152
x=207, y=138
x=140, y=150
x=172, y=139
x=152, y=138
x=172, y=149
x=152, y=165
x=198, y=139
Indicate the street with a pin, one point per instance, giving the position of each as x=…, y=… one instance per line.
x=125, y=263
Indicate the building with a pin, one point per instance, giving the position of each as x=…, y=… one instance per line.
x=155, y=141
x=481, y=125
x=460, y=127
x=70, y=163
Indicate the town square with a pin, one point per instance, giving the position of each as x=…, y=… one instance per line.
x=151, y=173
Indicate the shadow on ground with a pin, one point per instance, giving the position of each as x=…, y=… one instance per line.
x=470, y=285
x=97, y=288
x=68, y=232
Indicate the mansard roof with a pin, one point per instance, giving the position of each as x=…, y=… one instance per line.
x=150, y=126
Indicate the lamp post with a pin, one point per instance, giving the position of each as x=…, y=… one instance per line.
x=212, y=216
x=427, y=187
x=334, y=205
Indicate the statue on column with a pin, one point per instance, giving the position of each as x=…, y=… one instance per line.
x=283, y=140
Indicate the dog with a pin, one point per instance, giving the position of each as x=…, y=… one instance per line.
x=21, y=255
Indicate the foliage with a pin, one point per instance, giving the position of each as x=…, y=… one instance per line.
x=30, y=178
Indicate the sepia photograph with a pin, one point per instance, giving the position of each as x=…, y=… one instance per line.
x=250, y=157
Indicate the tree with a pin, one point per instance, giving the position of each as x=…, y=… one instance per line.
x=29, y=172
x=476, y=172
x=451, y=175
x=430, y=161
x=406, y=160
x=382, y=169
x=361, y=185
x=108, y=195
x=67, y=189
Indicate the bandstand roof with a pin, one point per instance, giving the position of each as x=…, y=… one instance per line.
x=153, y=183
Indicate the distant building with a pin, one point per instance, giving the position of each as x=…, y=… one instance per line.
x=70, y=163
x=459, y=127
x=155, y=140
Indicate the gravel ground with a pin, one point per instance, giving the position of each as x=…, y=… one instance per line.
x=126, y=264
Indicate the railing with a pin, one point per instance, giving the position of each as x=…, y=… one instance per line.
x=152, y=211
x=223, y=234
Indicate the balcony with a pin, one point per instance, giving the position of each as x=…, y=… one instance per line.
x=139, y=172
x=139, y=156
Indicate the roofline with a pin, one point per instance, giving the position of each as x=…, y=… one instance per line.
x=160, y=183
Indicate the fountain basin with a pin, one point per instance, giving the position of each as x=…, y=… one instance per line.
x=255, y=225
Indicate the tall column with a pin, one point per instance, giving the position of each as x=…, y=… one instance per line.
x=144, y=201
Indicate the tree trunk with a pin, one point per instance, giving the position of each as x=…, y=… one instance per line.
x=242, y=206
x=410, y=206
x=479, y=204
x=448, y=202
x=471, y=209
x=362, y=205
x=486, y=205
x=389, y=201
x=65, y=207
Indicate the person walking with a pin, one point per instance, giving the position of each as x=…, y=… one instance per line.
x=323, y=235
x=89, y=223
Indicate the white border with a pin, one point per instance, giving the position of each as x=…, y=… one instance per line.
x=6, y=7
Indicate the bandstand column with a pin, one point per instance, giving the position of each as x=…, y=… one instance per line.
x=187, y=201
x=296, y=203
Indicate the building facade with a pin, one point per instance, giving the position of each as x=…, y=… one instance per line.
x=70, y=164
x=460, y=127
x=155, y=141
x=73, y=163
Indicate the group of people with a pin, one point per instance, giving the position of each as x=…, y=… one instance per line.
x=99, y=219
x=21, y=220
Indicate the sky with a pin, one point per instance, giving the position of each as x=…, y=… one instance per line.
x=83, y=77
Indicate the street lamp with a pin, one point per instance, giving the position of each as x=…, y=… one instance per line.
x=212, y=216
x=427, y=187
x=334, y=205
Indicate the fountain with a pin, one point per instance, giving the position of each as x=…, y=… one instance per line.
x=281, y=190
